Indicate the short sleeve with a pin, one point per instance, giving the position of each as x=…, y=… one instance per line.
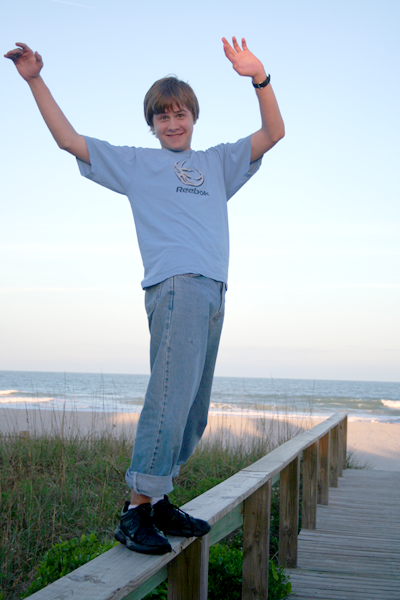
x=110, y=166
x=236, y=164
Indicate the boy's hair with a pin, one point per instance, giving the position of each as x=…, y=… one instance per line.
x=164, y=94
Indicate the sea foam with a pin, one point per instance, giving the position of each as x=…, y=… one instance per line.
x=20, y=400
x=391, y=403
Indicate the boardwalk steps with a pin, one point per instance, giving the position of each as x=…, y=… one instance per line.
x=354, y=552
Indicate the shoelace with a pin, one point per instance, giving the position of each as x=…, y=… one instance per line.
x=172, y=508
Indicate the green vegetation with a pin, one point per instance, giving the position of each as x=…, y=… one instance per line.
x=65, y=557
x=225, y=577
x=53, y=489
x=61, y=496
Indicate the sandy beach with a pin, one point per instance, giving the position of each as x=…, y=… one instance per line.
x=378, y=444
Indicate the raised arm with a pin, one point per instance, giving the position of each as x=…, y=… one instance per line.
x=272, y=127
x=29, y=65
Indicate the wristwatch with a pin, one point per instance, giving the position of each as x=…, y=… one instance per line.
x=263, y=84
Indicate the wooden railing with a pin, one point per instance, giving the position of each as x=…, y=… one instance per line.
x=243, y=499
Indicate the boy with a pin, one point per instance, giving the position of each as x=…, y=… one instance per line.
x=179, y=202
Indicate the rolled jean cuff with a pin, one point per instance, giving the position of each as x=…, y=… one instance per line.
x=149, y=485
x=175, y=471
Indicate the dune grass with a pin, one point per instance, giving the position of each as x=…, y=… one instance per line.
x=56, y=486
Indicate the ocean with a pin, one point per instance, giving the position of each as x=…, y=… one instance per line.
x=362, y=400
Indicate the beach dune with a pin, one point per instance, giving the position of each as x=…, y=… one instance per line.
x=377, y=444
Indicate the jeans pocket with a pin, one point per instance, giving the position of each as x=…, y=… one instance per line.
x=221, y=310
x=152, y=295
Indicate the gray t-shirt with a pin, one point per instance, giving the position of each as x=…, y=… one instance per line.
x=178, y=200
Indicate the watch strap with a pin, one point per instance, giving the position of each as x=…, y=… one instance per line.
x=263, y=84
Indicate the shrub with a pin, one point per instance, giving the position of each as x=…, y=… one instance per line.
x=64, y=557
x=225, y=577
x=225, y=573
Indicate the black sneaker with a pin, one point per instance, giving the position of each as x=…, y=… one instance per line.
x=173, y=521
x=137, y=531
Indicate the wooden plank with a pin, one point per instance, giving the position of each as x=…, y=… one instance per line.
x=334, y=457
x=289, y=514
x=340, y=449
x=229, y=523
x=220, y=500
x=256, y=526
x=354, y=552
x=279, y=458
x=149, y=585
x=335, y=587
x=345, y=443
x=109, y=576
x=188, y=573
x=323, y=469
x=310, y=486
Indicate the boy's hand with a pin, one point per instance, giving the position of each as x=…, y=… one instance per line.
x=28, y=63
x=243, y=61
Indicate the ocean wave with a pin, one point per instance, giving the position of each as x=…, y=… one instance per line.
x=8, y=392
x=223, y=406
x=391, y=403
x=17, y=400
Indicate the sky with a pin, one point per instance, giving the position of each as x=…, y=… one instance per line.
x=314, y=283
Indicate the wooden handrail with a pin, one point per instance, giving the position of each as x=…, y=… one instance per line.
x=243, y=498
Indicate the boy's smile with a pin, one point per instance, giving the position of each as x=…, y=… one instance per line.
x=174, y=128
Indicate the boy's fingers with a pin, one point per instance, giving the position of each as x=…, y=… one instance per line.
x=227, y=45
x=236, y=45
x=21, y=45
x=229, y=51
x=244, y=45
x=13, y=55
x=13, y=52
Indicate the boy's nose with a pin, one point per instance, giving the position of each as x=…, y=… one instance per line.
x=172, y=125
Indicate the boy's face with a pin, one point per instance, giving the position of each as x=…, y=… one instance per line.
x=174, y=128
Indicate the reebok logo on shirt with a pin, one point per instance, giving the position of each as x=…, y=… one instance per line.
x=188, y=175
x=192, y=191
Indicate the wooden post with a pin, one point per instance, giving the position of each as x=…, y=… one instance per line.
x=323, y=470
x=310, y=487
x=188, y=572
x=289, y=514
x=341, y=449
x=256, y=526
x=334, y=457
x=345, y=442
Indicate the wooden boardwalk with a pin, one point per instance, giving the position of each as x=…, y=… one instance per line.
x=354, y=552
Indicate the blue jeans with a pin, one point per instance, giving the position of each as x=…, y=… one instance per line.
x=185, y=316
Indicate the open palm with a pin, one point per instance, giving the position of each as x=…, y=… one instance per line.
x=243, y=61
